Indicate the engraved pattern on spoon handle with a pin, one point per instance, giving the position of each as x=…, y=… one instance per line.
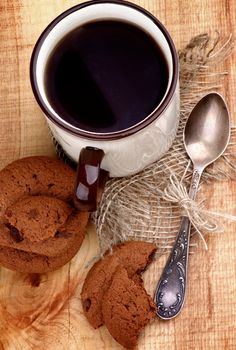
x=170, y=292
x=194, y=183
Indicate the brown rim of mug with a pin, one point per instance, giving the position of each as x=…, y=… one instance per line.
x=117, y=134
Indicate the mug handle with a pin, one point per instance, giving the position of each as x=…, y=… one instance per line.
x=90, y=179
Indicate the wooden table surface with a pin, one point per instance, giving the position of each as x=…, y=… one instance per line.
x=46, y=313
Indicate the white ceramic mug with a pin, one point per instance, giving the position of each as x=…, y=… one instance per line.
x=124, y=152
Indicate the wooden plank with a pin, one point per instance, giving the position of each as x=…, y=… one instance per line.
x=46, y=313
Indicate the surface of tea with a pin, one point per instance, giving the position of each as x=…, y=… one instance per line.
x=106, y=76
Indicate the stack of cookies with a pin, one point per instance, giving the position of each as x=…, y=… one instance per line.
x=113, y=292
x=40, y=230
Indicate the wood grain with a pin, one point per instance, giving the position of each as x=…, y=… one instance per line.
x=44, y=312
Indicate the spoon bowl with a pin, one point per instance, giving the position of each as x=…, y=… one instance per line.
x=207, y=130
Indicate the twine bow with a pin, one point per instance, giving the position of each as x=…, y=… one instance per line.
x=201, y=218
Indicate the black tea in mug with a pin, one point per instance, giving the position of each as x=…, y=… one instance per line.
x=106, y=76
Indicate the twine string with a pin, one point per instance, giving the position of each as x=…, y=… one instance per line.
x=201, y=218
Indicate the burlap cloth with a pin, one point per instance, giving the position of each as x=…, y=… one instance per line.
x=148, y=206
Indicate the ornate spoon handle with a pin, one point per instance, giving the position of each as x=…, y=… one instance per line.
x=170, y=292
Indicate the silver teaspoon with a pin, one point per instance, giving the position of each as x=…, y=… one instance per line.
x=206, y=136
